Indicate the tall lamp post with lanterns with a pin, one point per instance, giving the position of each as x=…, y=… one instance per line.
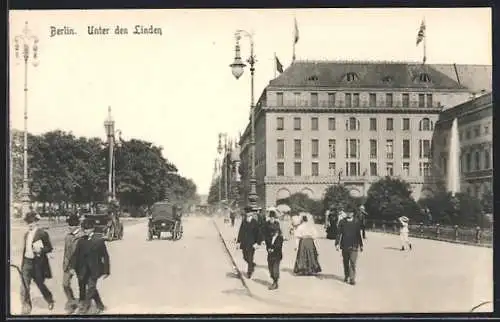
x=237, y=68
x=109, y=126
x=29, y=45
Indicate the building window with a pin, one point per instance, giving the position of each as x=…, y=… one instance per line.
x=351, y=76
x=280, y=148
x=486, y=129
x=281, y=169
x=331, y=99
x=389, y=168
x=389, y=147
x=296, y=123
x=424, y=148
x=468, y=161
x=332, y=149
x=297, y=99
x=425, y=125
x=421, y=100
x=331, y=124
x=314, y=99
x=315, y=148
x=429, y=100
x=373, y=124
x=348, y=100
x=424, y=169
x=486, y=159
x=406, y=124
x=477, y=156
x=315, y=169
x=297, y=149
x=352, y=124
x=406, y=100
x=388, y=99
x=373, y=149
x=314, y=123
x=280, y=123
x=406, y=169
x=477, y=131
x=279, y=99
x=352, y=148
x=331, y=168
x=355, y=100
x=406, y=149
x=373, y=100
x=373, y=169
x=467, y=134
x=444, y=165
x=389, y=124
x=352, y=169
x=297, y=169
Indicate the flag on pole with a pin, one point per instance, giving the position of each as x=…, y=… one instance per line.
x=421, y=32
x=279, y=66
x=296, y=32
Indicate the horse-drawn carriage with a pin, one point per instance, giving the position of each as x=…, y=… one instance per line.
x=165, y=217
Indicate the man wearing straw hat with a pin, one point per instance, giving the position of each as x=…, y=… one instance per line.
x=35, y=263
x=403, y=232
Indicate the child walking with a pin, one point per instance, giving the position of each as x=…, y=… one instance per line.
x=403, y=232
x=274, y=245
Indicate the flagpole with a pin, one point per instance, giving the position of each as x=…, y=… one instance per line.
x=275, y=65
x=425, y=43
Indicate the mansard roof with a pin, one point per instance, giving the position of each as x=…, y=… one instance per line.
x=477, y=78
x=356, y=74
x=467, y=107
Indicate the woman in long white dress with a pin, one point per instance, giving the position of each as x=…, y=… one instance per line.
x=306, y=262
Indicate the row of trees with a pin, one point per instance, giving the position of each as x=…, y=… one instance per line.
x=67, y=170
x=389, y=198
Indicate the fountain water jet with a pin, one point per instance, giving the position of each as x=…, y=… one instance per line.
x=453, y=178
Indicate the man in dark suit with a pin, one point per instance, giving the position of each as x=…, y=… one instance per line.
x=90, y=261
x=35, y=263
x=70, y=243
x=350, y=241
x=249, y=238
x=274, y=245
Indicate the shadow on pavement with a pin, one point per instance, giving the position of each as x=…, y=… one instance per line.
x=330, y=277
x=393, y=248
x=262, y=282
x=232, y=275
x=243, y=292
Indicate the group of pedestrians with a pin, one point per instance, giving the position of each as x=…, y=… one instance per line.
x=85, y=256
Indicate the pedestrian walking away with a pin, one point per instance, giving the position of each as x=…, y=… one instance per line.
x=350, y=242
x=70, y=242
x=306, y=262
x=91, y=262
x=232, y=215
x=249, y=238
x=403, y=232
x=35, y=263
x=331, y=224
x=362, y=220
x=274, y=245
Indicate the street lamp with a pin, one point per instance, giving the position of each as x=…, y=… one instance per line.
x=109, y=126
x=29, y=43
x=237, y=68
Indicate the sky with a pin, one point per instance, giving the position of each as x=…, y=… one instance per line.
x=176, y=89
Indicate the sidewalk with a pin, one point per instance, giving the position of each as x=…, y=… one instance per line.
x=325, y=293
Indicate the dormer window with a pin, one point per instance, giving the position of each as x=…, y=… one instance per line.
x=351, y=77
x=312, y=78
x=424, y=78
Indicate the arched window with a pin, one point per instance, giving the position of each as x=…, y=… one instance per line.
x=425, y=125
x=424, y=78
x=351, y=77
x=352, y=124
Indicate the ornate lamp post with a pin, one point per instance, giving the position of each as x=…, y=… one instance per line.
x=29, y=43
x=109, y=126
x=237, y=68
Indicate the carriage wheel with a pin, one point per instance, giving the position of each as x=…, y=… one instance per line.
x=175, y=233
x=120, y=234
x=181, y=231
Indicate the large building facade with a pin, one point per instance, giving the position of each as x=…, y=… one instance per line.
x=474, y=156
x=321, y=123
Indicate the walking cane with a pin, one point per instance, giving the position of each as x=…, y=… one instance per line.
x=25, y=288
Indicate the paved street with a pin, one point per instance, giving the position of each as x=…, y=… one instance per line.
x=196, y=275
x=434, y=277
x=192, y=275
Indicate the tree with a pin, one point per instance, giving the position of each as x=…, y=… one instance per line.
x=487, y=201
x=390, y=198
x=213, y=193
x=300, y=202
x=337, y=196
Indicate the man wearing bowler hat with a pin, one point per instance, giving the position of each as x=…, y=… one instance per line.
x=35, y=263
x=70, y=242
x=249, y=238
x=91, y=261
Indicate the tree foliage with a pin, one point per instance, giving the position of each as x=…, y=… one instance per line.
x=300, y=202
x=390, y=198
x=67, y=169
x=338, y=196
